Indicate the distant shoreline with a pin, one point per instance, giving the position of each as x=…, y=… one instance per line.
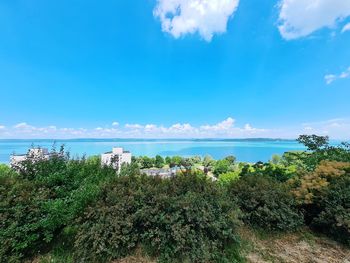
x=155, y=139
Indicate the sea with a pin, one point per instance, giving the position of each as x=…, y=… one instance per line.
x=245, y=150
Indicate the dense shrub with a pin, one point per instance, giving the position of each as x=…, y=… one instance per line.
x=278, y=172
x=176, y=220
x=265, y=203
x=312, y=185
x=227, y=178
x=83, y=208
x=324, y=197
x=334, y=206
x=107, y=228
x=319, y=150
x=6, y=171
x=222, y=166
x=42, y=199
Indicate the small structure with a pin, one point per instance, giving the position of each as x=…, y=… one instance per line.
x=116, y=158
x=161, y=172
x=34, y=154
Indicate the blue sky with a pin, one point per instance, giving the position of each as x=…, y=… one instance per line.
x=174, y=68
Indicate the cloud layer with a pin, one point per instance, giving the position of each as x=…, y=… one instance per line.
x=225, y=128
x=336, y=128
x=346, y=28
x=300, y=18
x=330, y=78
x=206, y=17
x=297, y=18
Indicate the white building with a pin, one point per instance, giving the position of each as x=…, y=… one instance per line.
x=33, y=154
x=116, y=158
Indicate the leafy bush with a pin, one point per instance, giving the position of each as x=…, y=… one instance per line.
x=42, y=199
x=320, y=150
x=324, y=197
x=334, y=218
x=278, y=172
x=313, y=184
x=106, y=230
x=228, y=178
x=6, y=171
x=265, y=203
x=222, y=166
x=177, y=220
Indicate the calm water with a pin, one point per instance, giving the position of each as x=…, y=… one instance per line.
x=244, y=150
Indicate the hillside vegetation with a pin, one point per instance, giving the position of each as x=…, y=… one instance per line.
x=295, y=208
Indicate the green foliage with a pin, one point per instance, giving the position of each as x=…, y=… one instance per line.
x=321, y=150
x=334, y=216
x=168, y=160
x=231, y=159
x=221, y=167
x=278, y=172
x=265, y=203
x=159, y=161
x=295, y=158
x=195, y=160
x=176, y=161
x=227, y=178
x=311, y=186
x=208, y=161
x=146, y=162
x=130, y=169
x=6, y=171
x=324, y=197
x=86, y=213
x=45, y=197
x=184, y=219
x=314, y=142
x=276, y=159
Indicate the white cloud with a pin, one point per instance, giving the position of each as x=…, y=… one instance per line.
x=2, y=127
x=252, y=130
x=300, y=18
x=335, y=128
x=206, y=17
x=308, y=128
x=223, y=129
x=23, y=125
x=346, y=28
x=330, y=78
x=224, y=125
x=133, y=126
x=115, y=123
x=151, y=127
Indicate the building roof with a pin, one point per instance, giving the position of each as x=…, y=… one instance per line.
x=116, y=153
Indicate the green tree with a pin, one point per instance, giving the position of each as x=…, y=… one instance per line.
x=314, y=142
x=159, y=161
x=319, y=150
x=276, y=159
x=228, y=178
x=168, y=160
x=147, y=162
x=208, y=161
x=221, y=167
x=176, y=161
x=265, y=203
x=231, y=159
